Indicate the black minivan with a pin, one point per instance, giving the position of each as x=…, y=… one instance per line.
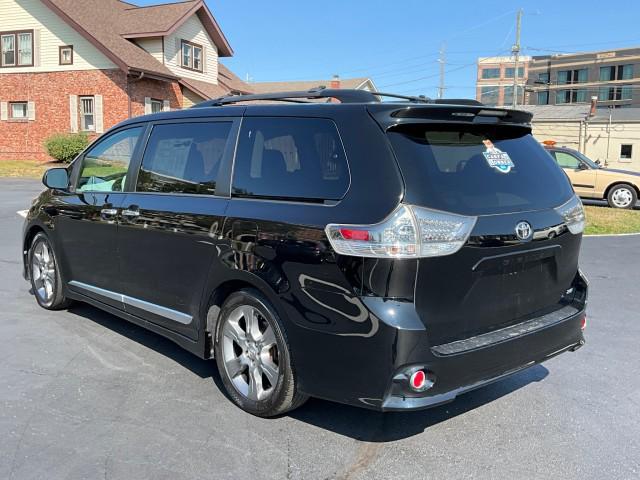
x=385, y=254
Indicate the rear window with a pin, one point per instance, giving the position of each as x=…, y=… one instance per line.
x=477, y=169
x=290, y=158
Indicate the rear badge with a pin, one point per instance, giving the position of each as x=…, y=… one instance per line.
x=523, y=231
x=496, y=158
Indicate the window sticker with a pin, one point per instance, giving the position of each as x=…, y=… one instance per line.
x=496, y=158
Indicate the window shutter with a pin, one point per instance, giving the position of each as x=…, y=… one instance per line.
x=73, y=112
x=98, y=111
x=36, y=48
x=178, y=49
x=204, y=59
x=166, y=106
x=147, y=105
x=31, y=110
x=4, y=111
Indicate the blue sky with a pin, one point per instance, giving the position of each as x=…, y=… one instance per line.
x=396, y=42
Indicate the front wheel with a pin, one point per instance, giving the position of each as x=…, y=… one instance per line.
x=622, y=196
x=253, y=357
x=44, y=274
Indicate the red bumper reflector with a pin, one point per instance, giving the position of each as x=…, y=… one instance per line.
x=583, y=323
x=417, y=380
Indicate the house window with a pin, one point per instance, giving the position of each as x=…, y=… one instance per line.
x=508, y=94
x=17, y=49
x=87, y=116
x=490, y=73
x=489, y=95
x=573, y=76
x=625, y=151
x=571, y=96
x=607, y=94
x=508, y=72
x=191, y=56
x=543, y=78
x=66, y=55
x=543, y=98
x=616, y=72
x=18, y=111
x=156, y=106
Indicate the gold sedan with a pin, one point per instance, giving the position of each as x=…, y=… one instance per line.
x=590, y=180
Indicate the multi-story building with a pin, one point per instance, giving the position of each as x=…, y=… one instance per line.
x=71, y=66
x=494, y=86
x=613, y=76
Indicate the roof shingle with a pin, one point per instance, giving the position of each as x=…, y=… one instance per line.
x=117, y=20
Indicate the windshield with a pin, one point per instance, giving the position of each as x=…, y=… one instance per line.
x=477, y=169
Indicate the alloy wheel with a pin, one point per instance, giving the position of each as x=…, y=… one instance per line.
x=43, y=272
x=250, y=353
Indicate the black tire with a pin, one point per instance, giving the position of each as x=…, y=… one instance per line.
x=55, y=299
x=622, y=196
x=284, y=395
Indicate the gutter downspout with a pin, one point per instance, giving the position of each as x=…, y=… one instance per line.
x=581, y=125
x=129, y=82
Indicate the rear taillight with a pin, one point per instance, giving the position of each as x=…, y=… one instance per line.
x=573, y=214
x=409, y=232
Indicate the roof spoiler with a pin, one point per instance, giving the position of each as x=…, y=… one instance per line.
x=475, y=113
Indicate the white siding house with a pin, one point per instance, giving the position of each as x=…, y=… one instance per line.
x=50, y=33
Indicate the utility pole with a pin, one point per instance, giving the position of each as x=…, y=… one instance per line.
x=442, y=61
x=515, y=50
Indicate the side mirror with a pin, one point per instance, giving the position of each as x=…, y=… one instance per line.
x=56, y=178
x=598, y=162
x=583, y=166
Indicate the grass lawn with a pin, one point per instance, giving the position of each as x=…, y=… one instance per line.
x=605, y=220
x=24, y=168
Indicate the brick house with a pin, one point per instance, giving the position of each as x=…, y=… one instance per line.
x=69, y=66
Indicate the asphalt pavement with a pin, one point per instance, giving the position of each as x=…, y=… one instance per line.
x=86, y=395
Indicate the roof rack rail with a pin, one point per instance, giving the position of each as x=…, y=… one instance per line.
x=343, y=95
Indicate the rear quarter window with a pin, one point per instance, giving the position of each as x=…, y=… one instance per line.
x=290, y=159
x=449, y=167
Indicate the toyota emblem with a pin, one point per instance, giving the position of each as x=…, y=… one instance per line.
x=523, y=231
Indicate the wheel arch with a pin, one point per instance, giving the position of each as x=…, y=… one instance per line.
x=620, y=182
x=29, y=235
x=213, y=301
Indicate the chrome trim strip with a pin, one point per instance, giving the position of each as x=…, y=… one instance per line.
x=159, y=310
x=98, y=291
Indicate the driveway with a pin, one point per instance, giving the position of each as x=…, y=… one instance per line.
x=84, y=394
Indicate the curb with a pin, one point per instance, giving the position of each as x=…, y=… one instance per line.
x=613, y=235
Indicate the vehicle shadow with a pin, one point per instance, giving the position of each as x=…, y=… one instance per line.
x=151, y=340
x=371, y=426
x=357, y=423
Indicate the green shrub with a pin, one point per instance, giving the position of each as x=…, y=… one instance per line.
x=64, y=147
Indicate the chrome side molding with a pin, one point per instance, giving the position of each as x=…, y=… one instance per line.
x=159, y=310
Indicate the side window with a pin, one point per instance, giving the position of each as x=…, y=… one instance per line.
x=566, y=160
x=184, y=158
x=290, y=158
x=104, y=167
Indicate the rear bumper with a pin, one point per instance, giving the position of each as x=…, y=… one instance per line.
x=370, y=367
x=460, y=373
